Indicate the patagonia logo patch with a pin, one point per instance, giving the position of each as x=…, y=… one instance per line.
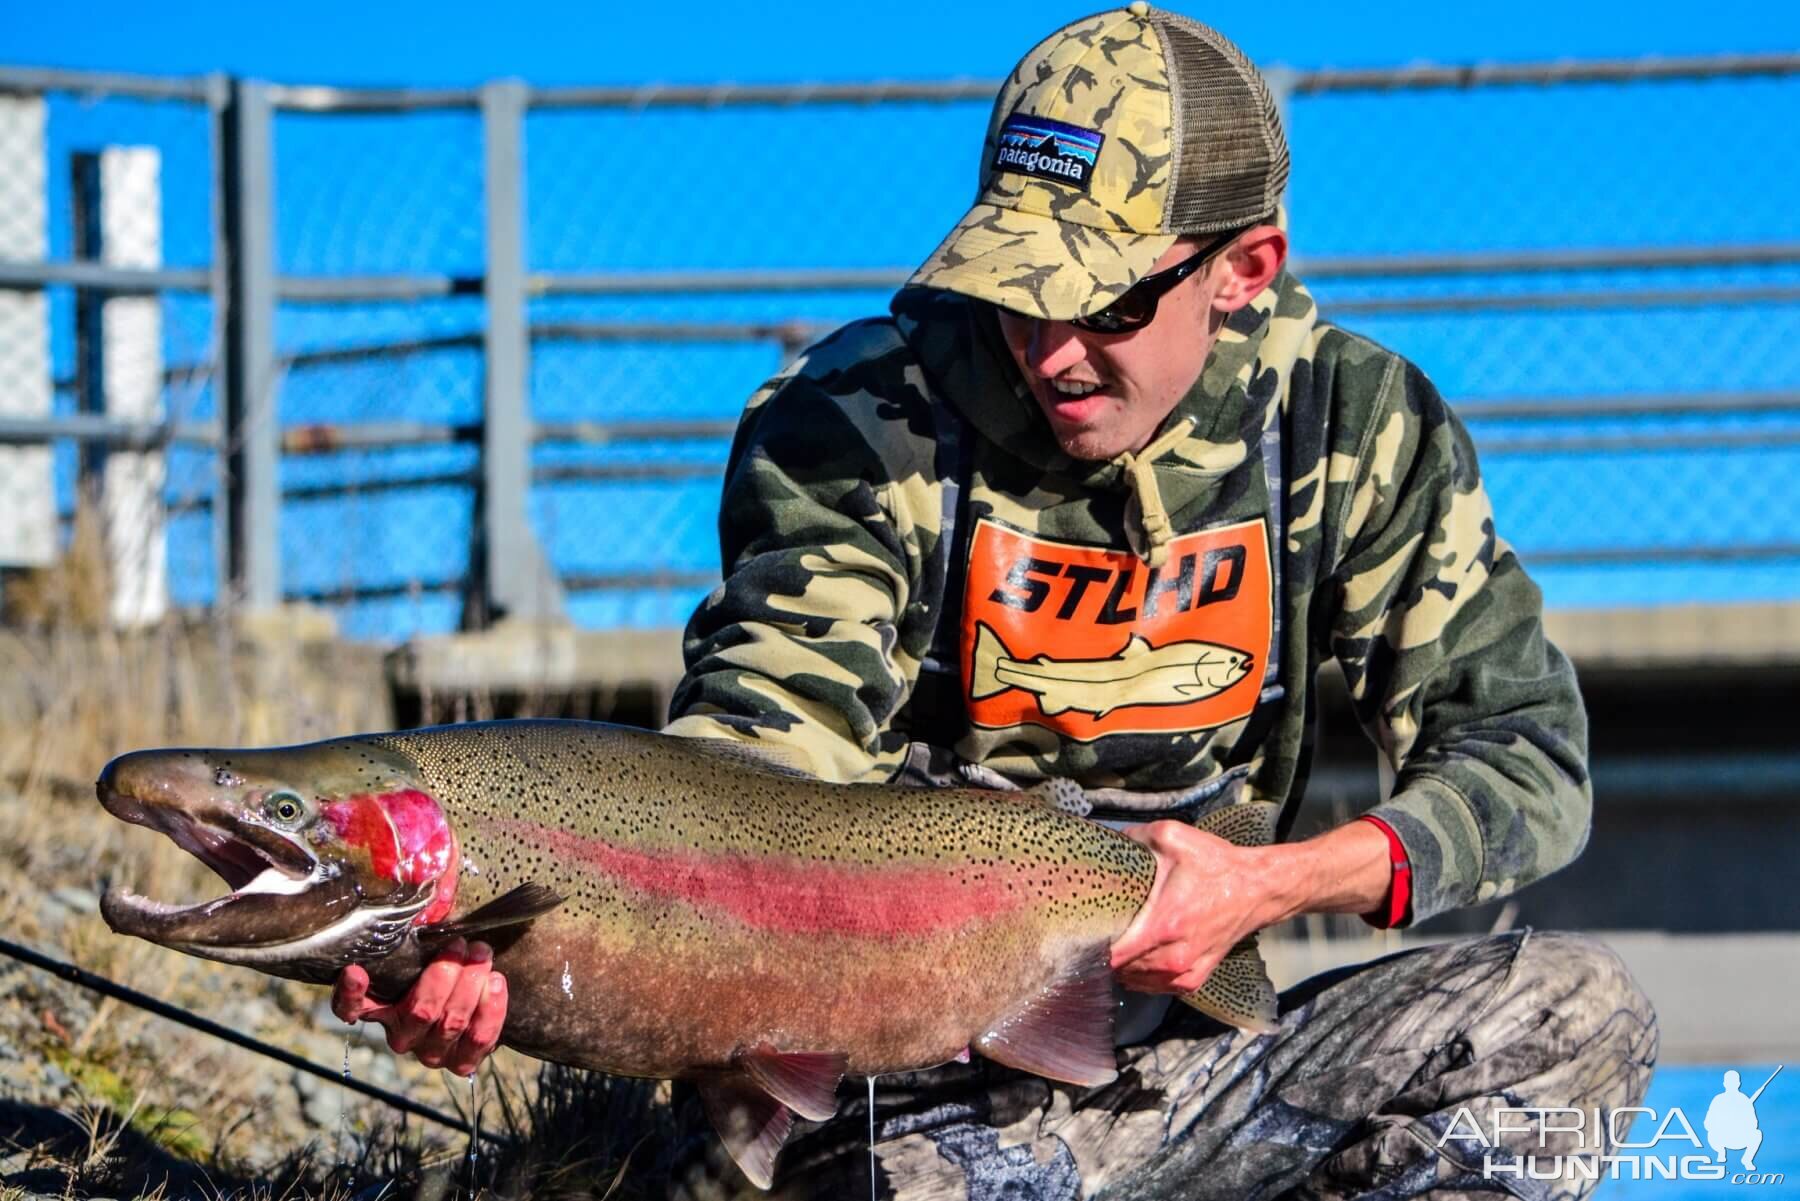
x=1048, y=149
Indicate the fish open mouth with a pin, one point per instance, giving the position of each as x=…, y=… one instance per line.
x=272, y=879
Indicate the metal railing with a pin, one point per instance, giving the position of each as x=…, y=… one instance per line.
x=507, y=570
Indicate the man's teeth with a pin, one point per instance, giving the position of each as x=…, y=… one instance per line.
x=1069, y=387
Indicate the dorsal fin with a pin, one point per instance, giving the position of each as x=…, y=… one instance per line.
x=1062, y=793
x=755, y=755
x=804, y=1081
x=525, y=903
x=1136, y=645
x=1064, y=1032
x=1245, y=824
x=750, y=1123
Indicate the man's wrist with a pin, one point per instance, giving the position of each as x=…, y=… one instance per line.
x=1345, y=870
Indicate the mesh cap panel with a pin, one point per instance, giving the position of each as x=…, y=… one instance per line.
x=1231, y=156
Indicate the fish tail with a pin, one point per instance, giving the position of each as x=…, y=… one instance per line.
x=1239, y=991
x=985, y=680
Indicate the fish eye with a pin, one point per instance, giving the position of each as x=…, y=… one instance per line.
x=285, y=807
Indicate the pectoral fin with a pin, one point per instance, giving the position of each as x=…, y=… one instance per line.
x=752, y=1124
x=1239, y=991
x=1064, y=1032
x=523, y=904
x=805, y=1081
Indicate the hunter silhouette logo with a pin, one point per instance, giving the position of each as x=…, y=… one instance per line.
x=1089, y=640
x=1730, y=1123
x=1138, y=675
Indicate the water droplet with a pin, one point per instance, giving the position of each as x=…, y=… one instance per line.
x=568, y=982
x=343, y=1131
x=474, y=1129
x=872, y=1196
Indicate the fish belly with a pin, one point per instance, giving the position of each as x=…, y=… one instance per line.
x=673, y=1008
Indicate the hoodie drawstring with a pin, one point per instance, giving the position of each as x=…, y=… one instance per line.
x=1152, y=515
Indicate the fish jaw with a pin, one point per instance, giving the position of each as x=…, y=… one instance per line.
x=303, y=901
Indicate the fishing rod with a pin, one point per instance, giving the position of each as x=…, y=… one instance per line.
x=1767, y=1083
x=119, y=992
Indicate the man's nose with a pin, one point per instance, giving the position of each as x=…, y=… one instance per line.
x=1055, y=346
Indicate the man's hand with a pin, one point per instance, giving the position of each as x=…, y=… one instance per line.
x=1209, y=895
x=450, y=1018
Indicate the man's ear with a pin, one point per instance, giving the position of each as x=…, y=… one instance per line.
x=1247, y=268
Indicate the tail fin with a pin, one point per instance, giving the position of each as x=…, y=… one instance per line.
x=1239, y=991
x=989, y=650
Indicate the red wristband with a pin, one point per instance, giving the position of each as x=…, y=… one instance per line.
x=1396, y=910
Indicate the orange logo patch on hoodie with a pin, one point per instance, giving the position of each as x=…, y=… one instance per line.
x=1090, y=641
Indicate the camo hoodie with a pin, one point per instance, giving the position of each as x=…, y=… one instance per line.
x=1148, y=627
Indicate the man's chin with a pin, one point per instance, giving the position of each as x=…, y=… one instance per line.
x=1094, y=446
x=1079, y=430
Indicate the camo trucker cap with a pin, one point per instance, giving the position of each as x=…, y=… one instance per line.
x=1111, y=138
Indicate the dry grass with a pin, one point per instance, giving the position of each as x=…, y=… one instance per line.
x=99, y=1098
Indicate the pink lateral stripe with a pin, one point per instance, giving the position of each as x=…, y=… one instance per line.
x=796, y=896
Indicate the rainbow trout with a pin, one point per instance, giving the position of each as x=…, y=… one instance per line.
x=667, y=907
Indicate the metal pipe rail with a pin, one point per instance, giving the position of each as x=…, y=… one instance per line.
x=1616, y=298
x=119, y=281
x=641, y=581
x=1763, y=552
x=887, y=279
x=316, y=99
x=112, y=431
x=321, y=438
x=342, y=289
x=1673, y=404
x=1433, y=76
x=654, y=581
x=203, y=89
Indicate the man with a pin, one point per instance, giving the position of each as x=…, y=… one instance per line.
x=1094, y=503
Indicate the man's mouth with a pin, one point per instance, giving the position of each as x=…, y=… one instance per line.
x=1072, y=402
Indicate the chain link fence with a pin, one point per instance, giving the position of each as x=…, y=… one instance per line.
x=429, y=357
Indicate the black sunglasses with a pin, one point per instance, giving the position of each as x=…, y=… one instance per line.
x=1136, y=306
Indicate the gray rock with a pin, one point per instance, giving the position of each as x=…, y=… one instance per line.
x=246, y=1015
x=325, y=1109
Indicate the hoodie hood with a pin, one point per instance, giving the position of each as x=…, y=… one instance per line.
x=1215, y=427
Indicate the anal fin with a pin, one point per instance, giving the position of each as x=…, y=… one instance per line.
x=752, y=1124
x=1239, y=991
x=805, y=1081
x=1064, y=1032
